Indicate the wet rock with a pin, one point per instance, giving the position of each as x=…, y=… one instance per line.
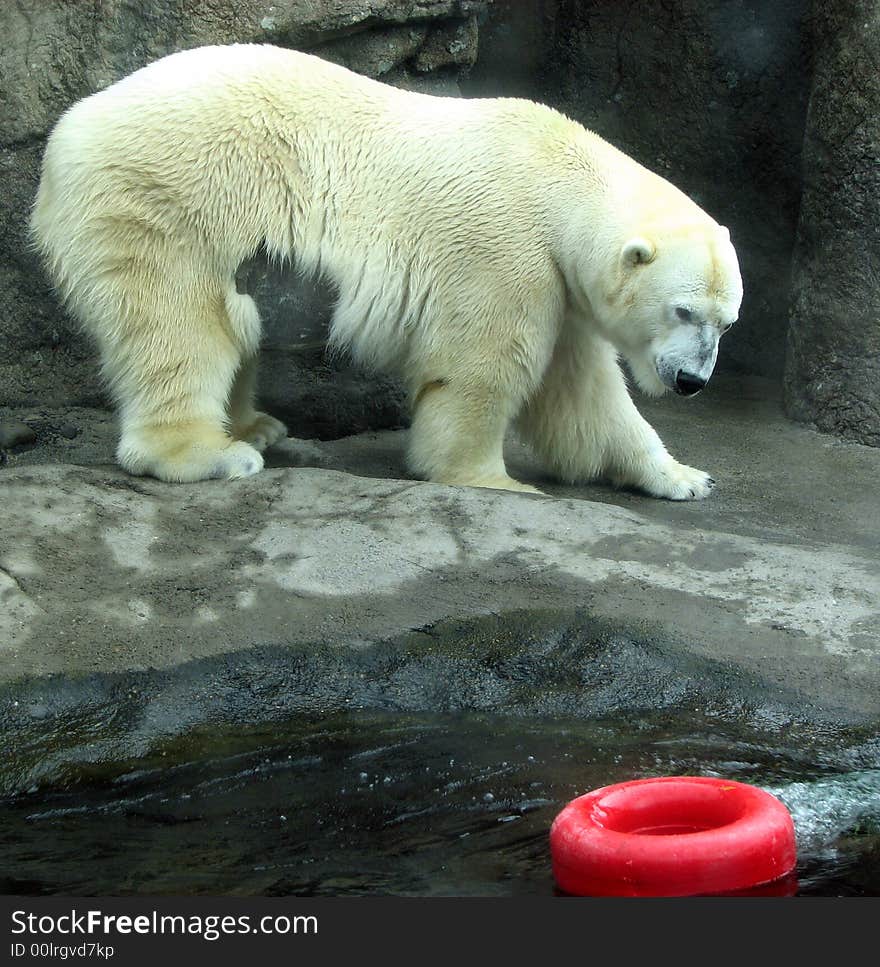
x=133, y=610
x=14, y=433
x=101, y=572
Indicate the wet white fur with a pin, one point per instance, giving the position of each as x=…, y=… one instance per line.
x=494, y=253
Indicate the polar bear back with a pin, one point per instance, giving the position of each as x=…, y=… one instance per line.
x=288, y=134
x=220, y=150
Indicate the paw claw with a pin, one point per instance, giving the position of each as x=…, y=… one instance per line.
x=675, y=481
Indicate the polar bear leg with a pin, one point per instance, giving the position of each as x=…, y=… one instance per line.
x=246, y=422
x=171, y=359
x=637, y=458
x=457, y=437
x=583, y=424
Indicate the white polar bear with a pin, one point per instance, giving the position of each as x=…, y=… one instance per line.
x=494, y=253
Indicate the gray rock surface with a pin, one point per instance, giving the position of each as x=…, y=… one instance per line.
x=833, y=367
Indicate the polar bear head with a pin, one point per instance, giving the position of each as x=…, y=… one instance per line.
x=675, y=290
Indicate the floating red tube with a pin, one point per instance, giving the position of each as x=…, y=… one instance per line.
x=672, y=836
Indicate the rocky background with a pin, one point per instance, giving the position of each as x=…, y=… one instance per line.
x=765, y=113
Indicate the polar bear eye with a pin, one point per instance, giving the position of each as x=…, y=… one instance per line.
x=684, y=314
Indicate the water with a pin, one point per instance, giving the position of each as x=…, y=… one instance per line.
x=408, y=805
x=837, y=824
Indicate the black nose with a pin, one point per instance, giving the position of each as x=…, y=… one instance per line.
x=686, y=384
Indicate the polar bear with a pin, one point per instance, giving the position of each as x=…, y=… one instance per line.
x=493, y=252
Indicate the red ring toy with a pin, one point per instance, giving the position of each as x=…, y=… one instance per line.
x=671, y=836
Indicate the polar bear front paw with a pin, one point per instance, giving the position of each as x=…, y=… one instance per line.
x=237, y=460
x=261, y=431
x=675, y=481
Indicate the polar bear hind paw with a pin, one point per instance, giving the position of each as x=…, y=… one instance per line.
x=261, y=431
x=177, y=457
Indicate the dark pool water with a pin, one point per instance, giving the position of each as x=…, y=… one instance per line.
x=409, y=805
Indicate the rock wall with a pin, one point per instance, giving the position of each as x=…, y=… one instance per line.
x=55, y=52
x=832, y=373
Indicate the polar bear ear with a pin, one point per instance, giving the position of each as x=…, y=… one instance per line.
x=637, y=251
